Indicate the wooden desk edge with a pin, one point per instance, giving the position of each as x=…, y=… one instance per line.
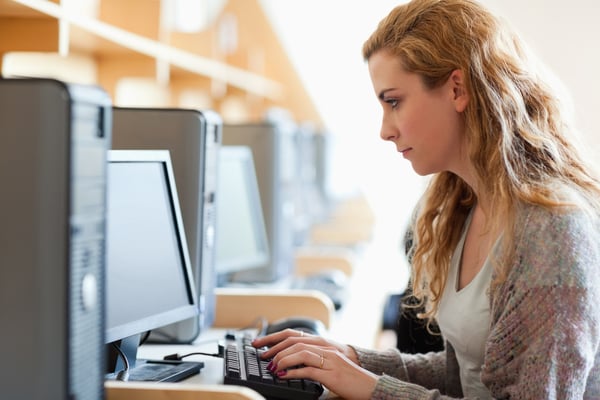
x=166, y=391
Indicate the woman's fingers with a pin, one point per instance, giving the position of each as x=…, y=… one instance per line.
x=328, y=366
x=274, y=338
x=299, y=354
x=280, y=341
x=307, y=357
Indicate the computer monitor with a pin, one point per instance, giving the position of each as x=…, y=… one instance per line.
x=193, y=138
x=309, y=207
x=324, y=143
x=241, y=236
x=273, y=149
x=149, y=282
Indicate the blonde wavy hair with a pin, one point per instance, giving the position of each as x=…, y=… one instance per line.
x=518, y=137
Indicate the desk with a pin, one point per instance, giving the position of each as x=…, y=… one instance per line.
x=378, y=272
x=207, y=342
x=207, y=384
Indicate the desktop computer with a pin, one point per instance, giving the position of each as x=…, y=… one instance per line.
x=193, y=139
x=54, y=138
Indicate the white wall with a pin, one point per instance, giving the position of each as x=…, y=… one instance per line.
x=324, y=39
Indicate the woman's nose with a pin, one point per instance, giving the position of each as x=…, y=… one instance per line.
x=387, y=132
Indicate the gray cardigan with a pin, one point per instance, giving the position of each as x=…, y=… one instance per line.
x=544, y=340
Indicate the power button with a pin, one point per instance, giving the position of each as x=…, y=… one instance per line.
x=89, y=291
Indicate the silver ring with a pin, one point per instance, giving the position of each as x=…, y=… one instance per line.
x=301, y=333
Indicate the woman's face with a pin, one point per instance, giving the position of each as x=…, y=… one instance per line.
x=425, y=124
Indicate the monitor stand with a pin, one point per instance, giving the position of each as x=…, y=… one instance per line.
x=145, y=370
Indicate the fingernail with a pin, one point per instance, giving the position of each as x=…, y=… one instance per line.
x=270, y=366
x=282, y=372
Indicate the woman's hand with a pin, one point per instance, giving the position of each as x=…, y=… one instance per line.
x=297, y=355
x=281, y=340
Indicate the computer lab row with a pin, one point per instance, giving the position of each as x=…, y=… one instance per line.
x=119, y=223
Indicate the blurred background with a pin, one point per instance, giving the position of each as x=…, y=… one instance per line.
x=244, y=57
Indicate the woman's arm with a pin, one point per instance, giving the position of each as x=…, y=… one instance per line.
x=432, y=371
x=545, y=328
x=356, y=373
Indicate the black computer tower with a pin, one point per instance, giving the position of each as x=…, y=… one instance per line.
x=273, y=145
x=53, y=144
x=193, y=138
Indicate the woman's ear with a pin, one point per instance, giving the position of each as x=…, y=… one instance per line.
x=461, y=95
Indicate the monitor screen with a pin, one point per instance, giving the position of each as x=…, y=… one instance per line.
x=241, y=237
x=148, y=276
x=145, y=252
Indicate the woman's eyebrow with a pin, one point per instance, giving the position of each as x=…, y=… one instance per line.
x=382, y=93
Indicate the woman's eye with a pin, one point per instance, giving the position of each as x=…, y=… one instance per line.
x=392, y=102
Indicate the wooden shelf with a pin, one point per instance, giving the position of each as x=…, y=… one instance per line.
x=125, y=39
x=9, y=8
x=93, y=36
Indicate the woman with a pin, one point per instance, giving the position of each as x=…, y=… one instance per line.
x=506, y=237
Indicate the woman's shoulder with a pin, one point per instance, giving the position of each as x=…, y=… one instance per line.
x=543, y=221
x=552, y=243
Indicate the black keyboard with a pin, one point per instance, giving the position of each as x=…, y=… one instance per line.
x=242, y=366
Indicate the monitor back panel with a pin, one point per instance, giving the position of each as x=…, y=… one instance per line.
x=53, y=144
x=273, y=151
x=193, y=139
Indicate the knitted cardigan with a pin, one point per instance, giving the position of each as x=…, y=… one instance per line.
x=544, y=340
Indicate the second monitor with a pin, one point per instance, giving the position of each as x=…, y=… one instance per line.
x=241, y=237
x=273, y=147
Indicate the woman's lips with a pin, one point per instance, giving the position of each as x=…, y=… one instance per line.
x=405, y=151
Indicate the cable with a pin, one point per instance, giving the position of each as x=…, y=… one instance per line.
x=145, y=337
x=122, y=375
x=179, y=357
x=261, y=321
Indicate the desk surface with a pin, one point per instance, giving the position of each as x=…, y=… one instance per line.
x=212, y=373
x=207, y=342
x=378, y=273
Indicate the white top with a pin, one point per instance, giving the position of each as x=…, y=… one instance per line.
x=464, y=320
